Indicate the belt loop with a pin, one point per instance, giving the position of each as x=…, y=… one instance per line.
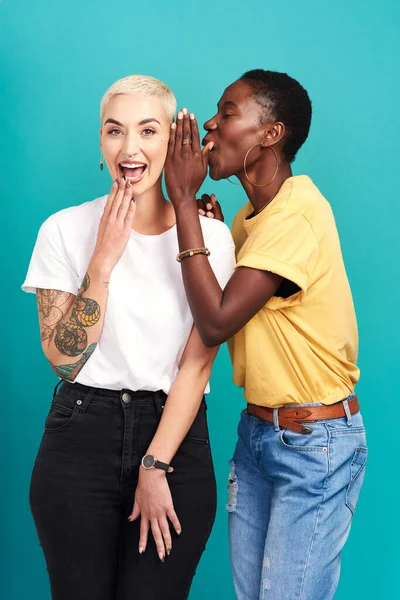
x=348, y=413
x=83, y=404
x=276, y=419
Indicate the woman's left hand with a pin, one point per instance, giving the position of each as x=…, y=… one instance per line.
x=153, y=502
x=186, y=164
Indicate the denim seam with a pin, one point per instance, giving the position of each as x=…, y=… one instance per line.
x=261, y=470
x=316, y=520
x=350, y=431
x=311, y=546
x=354, y=479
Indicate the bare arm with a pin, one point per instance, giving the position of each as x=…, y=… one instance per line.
x=218, y=314
x=71, y=326
x=153, y=499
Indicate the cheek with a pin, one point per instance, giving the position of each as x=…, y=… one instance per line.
x=157, y=154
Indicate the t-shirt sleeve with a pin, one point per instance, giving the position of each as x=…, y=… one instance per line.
x=285, y=244
x=50, y=267
x=222, y=258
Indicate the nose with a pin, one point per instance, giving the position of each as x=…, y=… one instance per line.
x=130, y=146
x=210, y=125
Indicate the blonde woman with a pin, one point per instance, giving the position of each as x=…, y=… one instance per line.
x=123, y=488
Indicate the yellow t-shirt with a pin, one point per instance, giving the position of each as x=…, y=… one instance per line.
x=303, y=348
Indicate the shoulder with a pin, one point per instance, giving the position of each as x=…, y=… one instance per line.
x=216, y=233
x=74, y=219
x=304, y=198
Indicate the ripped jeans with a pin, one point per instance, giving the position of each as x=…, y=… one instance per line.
x=291, y=501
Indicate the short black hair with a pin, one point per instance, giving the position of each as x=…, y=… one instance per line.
x=285, y=100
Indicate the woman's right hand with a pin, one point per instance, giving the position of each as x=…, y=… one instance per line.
x=209, y=207
x=115, y=225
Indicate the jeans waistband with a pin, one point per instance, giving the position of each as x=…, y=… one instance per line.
x=84, y=392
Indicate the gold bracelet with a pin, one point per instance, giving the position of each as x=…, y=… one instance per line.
x=192, y=252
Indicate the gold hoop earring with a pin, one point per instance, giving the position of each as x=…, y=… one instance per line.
x=232, y=182
x=276, y=168
x=101, y=161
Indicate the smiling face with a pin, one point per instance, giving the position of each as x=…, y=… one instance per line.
x=234, y=129
x=134, y=139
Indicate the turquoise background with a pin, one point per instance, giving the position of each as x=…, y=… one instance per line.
x=57, y=59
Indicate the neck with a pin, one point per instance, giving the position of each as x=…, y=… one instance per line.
x=154, y=214
x=260, y=197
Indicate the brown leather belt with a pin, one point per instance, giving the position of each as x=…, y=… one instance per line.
x=293, y=417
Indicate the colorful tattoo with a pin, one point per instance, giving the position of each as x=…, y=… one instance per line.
x=71, y=371
x=71, y=338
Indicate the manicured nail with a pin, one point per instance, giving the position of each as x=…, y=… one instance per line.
x=180, y=115
x=141, y=550
x=116, y=180
x=168, y=551
x=162, y=557
x=128, y=185
x=185, y=111
x=173, y=125
x=209, y=206
x=179, y=531
x=201, y=212
x=192, y=116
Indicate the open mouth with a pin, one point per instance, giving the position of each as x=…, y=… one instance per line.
x=132, y=171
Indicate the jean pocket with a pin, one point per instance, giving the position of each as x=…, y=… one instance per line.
x=357, y=472
x=61, y=414
x=317, y=441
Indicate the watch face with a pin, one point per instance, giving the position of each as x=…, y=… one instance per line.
x=148, y=461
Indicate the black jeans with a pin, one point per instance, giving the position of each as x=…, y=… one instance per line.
x=82, y=492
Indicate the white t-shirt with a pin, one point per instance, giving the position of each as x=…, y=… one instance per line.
x=148, y=320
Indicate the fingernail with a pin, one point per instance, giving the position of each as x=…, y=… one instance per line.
x=180, y=115
x=173, y=125
x=116, y=180
x=185, y=111
x=179, y=531
x=128, y=185
x=141, y=550
x=162, y=557
x=192, y=116
x=201, y=212
x=209, y=206
x=168, y=551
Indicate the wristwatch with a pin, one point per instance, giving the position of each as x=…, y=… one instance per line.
x=150, y=462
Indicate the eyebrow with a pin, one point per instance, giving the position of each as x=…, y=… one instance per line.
x=228, y=103
x=143, y=122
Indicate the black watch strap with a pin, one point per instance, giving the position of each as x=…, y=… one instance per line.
x=161, y=465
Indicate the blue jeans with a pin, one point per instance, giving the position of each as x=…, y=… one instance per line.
x=291, y=500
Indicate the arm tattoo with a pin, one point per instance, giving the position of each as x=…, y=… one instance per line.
x=70, y=337
x=72, y=370
x=51, y=306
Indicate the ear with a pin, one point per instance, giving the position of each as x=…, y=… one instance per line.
x=101, y=133
x=273, y=133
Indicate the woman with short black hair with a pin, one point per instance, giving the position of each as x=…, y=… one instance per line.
x=288, y=314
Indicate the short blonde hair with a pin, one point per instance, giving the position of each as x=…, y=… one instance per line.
x=141, y=84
